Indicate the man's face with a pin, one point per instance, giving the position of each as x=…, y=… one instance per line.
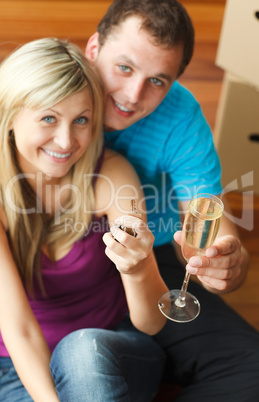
x=136, y=74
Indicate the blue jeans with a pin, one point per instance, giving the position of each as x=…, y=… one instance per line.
x=11, y=388
x=102, y=365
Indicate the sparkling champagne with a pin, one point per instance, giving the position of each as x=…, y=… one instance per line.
x=201, y=226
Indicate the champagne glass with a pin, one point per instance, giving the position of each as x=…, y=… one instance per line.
x=200, y=227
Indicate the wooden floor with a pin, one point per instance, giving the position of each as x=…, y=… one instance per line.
x=21, y=21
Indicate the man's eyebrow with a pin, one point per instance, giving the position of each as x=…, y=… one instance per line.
x=165, y=77
x=127, y=60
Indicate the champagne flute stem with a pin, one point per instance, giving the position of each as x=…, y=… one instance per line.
x=180, y=301
x=185, y=285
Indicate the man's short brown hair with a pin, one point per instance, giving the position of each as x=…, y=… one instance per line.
x=167, y=21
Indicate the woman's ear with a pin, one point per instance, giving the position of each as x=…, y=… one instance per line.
x=92, y=47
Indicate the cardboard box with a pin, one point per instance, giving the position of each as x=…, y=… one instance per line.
x=238, y=50
x=237, y=134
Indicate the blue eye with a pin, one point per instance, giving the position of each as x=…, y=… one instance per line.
x=49, y=119
x=125, y=69
x=156, y=82
x=81, y=120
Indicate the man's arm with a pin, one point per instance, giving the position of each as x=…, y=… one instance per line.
x=226, y=263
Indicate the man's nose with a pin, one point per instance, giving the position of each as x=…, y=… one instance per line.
x=63, y=137
x=135, y=90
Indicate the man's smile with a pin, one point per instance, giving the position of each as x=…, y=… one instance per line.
x=121, y=107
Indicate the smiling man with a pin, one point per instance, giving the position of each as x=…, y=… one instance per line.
x=140, y=49
x=136, y=73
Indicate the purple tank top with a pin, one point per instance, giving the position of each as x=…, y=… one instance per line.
x=84, y=290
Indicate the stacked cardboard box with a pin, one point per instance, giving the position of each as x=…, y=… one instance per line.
x=237, y=123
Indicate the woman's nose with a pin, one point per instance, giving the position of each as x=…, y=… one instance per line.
x=63, y=137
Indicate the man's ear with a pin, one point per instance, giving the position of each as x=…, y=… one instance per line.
x=92, y=47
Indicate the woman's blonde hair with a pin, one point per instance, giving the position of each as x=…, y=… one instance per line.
x=39, y=75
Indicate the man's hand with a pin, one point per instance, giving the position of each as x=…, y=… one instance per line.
x=223, y=268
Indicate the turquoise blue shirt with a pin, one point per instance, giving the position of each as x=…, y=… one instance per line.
x=173, y=153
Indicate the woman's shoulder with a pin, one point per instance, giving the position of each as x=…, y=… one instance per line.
x=110, y=155
x=117, y=167
x=117, y=179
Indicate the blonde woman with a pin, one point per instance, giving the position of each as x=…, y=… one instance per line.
x=65, y=329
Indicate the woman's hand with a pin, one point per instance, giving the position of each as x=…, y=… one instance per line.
x=125, y=250
x=134, y=258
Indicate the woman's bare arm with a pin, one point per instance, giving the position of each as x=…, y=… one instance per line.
x=133, y=256
x=21, y=332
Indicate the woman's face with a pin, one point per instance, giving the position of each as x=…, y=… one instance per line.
x=51, y=141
